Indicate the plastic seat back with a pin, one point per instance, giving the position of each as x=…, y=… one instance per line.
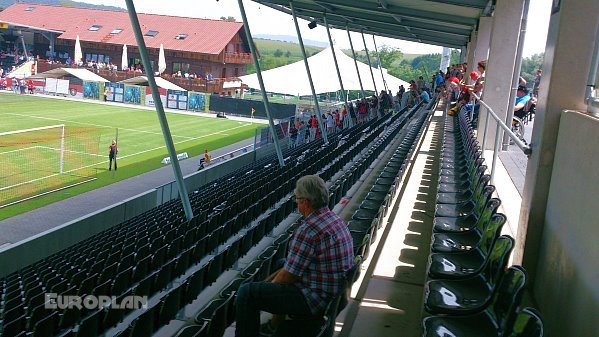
x=527, y=323
x=497, y=260
x=507, y=297
x=491, y=233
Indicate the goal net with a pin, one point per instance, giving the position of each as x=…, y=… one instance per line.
x=42, y=160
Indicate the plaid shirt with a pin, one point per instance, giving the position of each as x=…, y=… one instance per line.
x=320, y=252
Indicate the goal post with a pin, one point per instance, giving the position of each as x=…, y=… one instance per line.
x=42, y=160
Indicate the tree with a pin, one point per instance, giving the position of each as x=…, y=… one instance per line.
x=530, y=66
x=288, y=54
x=278, y=53
x=389, y=56
x=228, y=18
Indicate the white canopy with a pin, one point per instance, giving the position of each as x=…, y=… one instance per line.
x=161, y=82
x=292, y=79
x=80, y=73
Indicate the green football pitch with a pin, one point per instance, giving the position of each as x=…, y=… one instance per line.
x=140, y=139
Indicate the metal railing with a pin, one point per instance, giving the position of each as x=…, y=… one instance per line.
x=526, y=148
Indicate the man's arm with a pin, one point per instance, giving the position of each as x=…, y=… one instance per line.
x=284, y=277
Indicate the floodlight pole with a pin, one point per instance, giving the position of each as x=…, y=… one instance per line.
x=323, y=130
x=376, y=92
x=355, y=62
x=380, y=64
x=145, y=59
x=335, y=59
x=271, y=124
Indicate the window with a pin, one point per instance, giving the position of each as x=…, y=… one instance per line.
x=94, y=28
x=29, y=9
x=116, y=31
x=151, y=33
x=184, y=67
x=180, y=36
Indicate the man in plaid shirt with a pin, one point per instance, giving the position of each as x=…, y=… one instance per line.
x=320, y=253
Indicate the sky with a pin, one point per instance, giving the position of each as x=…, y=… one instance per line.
x=279, y=23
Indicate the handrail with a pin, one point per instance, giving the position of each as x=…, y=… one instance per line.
x=527, y=149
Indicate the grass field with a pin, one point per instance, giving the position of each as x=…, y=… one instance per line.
x=141, y=143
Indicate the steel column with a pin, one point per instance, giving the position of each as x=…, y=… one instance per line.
x=323, y=130
x=271, y=124
x=145, y=59
x=355, y=62
x=335, y=59
x=380, y=64
x=376, y=92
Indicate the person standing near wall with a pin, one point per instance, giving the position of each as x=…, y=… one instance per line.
x=112, y=152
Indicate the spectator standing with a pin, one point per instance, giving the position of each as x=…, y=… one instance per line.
x=207, y=157
x=112, y=152
x=537, y=83
x=319, y=254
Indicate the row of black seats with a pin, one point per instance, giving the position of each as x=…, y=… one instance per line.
x=174, y=243
x=470, y=291
x=218, y=314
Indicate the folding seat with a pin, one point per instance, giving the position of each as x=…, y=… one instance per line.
x=69, y=317
x=90, y=325
x=169, y=306
x=361, y=243
x=122, y=281
x=486, y=230
x=87, y=285
x=232, y=254
x=145, y=286
x=491, y=322
x=199, y=250
x=363, y=227
x=481, y=213
x=142, y=268
x=527, y=323
x=216, y=314
x=193, y=286
x=467, y=208
x=472, y=294
x=163, y=276
x=480, y=183
x=194, y=330
x=108, y=272
x=126, y=261
x=158, y=258
x=47, y=326
x=467, y=263
x=215, y=268
x=143, y=326
x=174, y=248
x=212, y=241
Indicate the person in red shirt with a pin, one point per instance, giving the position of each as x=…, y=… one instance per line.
x=344, y=117
x=313, y=127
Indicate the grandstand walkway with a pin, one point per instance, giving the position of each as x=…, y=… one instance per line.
x=25, y=225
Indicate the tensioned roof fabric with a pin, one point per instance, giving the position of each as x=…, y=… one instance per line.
x=80, y=73
x=292, y=79
x=160, y=82
x=446, y=23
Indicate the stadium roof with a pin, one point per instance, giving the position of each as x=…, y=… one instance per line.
x=106, y=26
x=447, y=23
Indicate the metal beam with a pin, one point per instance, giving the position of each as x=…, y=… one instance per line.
x=335, y=59
x=168, y=139
x=351, y=44
x=323, y=130
x=271, y=124
x=376, y=92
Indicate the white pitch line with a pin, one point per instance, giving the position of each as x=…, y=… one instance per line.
x=93, y=124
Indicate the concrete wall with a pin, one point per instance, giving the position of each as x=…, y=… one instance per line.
x=567, y=287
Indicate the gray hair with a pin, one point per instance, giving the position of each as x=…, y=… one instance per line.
x=314, y=189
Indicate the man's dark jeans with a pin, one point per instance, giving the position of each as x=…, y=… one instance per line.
x=254, y=297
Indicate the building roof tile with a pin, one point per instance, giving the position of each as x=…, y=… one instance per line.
x=203, y=35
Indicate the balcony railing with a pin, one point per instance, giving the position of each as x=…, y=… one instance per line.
x=190, y=84
x=242, y=58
